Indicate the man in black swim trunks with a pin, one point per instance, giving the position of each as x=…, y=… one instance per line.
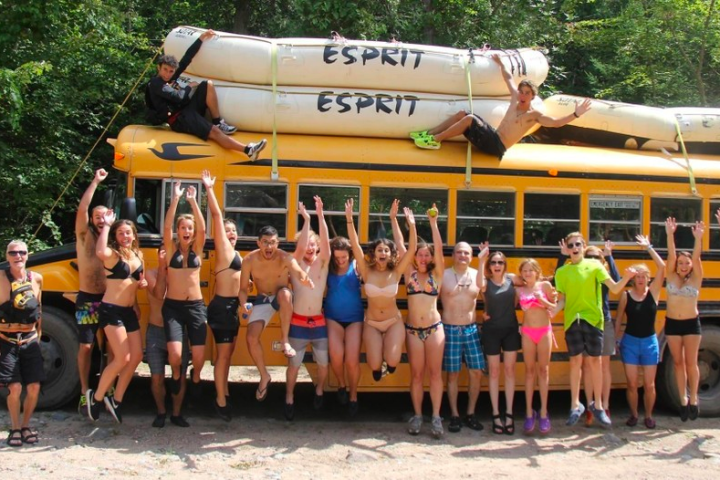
x=519, y=119
x=184, y=106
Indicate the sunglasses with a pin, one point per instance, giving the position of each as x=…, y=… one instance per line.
x=497, y=262
x=576, y=244
x=16, y=253
x=596, y=257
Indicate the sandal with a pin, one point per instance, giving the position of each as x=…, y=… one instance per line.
x=498, y=429
x=509, y=429
x=650, y=423
x=15, y=438
x=31, y=437
x=472, y=422
x=632, y=421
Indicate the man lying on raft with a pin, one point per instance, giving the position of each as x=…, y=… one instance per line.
x=183, y=107
x=518, y=120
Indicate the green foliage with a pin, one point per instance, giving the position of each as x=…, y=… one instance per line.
x=66, y=66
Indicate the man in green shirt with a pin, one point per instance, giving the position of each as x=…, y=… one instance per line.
x=579, y=285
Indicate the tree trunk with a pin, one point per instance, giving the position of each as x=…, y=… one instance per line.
x=429, y=28
x=242, y=15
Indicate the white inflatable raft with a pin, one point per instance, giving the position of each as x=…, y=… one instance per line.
x=345, y=112
x=613, y=124
x=700, y=128
x=353, y=63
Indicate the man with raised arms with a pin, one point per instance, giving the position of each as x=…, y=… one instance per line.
x=519, y=119
x=308, y=324
x=92, y=280
x=269, y=268
x=459, y=298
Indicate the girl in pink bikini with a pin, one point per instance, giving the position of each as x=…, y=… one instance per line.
x=535, y=298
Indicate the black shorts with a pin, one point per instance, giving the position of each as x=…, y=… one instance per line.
x=583, y=337
x=185, y=314
x=21, y=363
x=87, y=317
x=191, y=119
x=117, y=316
x=681, y=328
x=503, y=339
x=484, y=137
x=223, y=318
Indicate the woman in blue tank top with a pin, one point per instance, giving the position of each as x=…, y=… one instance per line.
x=343, y=310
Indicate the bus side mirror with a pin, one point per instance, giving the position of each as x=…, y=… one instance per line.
x=128, y=210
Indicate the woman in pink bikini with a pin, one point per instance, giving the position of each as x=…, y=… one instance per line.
x=535, y=298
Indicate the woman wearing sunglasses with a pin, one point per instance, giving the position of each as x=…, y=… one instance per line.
x=500, y=333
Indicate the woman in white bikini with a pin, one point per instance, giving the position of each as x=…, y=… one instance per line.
x=682, y=320
x=384, y=332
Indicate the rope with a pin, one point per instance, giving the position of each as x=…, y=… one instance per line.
x=468, y=158
x=274, y=171
x=100, y=137
x=691, y=174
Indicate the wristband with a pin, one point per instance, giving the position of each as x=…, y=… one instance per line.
x=576, y=115
x=649, y=246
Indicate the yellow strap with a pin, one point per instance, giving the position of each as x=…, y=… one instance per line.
x=47, y=213
x=691, y=174
x=273, y=54
x=468, y=158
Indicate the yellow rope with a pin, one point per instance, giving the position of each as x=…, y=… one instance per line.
x=117, y=112
x=274, y=171
x=468, y=158
x=691, y=174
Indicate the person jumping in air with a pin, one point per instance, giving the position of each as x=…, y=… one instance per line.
x=518, y=120
x=183, y=107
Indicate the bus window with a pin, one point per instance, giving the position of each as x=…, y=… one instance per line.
x=184, y=206
x=333, y=198
x=253, y=206
x=485, y=216
x=549, y=217
x=615, y=218
x=419, y=200
x=148, y=197
x=714, y=227
x=686, y=212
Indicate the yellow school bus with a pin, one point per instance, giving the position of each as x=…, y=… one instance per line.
x=523, y=205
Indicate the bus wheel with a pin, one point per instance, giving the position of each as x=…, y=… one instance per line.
x=709, y=365
x=59, y=346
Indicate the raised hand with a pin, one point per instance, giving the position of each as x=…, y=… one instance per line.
x=698, y=229
x=178, y=190
x=563, y=248
x=484, y=251
x=432, y=214
x=100, y=174
x=207, y=180
x=609, y=245
x=643, y=241
x=583, y=107
x=303, y=212
x=318, y=205
x=191, y=193
x=349, y=203
x=409, y=217
x=394, y=209
x=630, y=273
x=109, y=217
x=670, y=226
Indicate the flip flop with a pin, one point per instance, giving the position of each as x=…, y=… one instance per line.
x=261, y=393
x=288, y=350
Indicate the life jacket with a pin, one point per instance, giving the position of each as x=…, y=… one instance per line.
x=23, y=306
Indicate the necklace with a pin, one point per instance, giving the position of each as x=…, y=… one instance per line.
x=464, y=276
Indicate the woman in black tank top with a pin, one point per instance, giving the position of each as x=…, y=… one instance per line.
x=638, y=345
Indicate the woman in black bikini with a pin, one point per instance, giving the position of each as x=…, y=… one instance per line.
x=425, y=337
x=184, y=307
x=223, y=309
x=117, y=247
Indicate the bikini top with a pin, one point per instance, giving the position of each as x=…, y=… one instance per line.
x=388, y=291
x=176, y=261
x=23, y=306
x=121, y=271
x=684, y=291
x=236, y=264
x=430, y=288
x=529, y=301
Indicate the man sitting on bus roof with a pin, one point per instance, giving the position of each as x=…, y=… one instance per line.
x=519, y=119
x=183, y=107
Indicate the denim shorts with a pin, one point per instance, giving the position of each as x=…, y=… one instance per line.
x=640, y=351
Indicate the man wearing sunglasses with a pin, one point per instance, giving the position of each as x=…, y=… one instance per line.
x=21, y=361
x=579, y=295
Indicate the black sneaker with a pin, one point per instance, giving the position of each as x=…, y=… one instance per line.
x=225, y=128
x=179, y=421
x=455, y=424
x=222, y=412
x=342, y=396
x=377, y=375
x=472, y=422
x=353, y=408
x=93, y=407
x=159, y=421
x=253, y=149
x=113, y=407
x=318, y=401
x=289, y=411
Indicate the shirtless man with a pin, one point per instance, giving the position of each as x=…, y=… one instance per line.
x=518, y=120
x=92, y=280
x=269, y=268
x=308, y=322
x=459, y=298
x=156, y=347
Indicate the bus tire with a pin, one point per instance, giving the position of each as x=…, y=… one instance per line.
x=59, y=344
x=709, y=365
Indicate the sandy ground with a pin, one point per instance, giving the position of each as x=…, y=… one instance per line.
x=259, y=443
